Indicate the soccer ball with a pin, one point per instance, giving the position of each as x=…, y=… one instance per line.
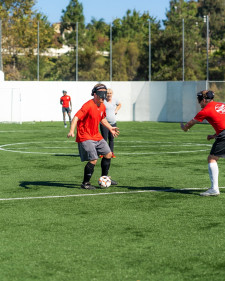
x=104, y=181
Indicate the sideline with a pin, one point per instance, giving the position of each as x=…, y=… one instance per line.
x=105, y=193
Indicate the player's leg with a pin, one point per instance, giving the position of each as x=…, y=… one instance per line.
x=213, y=171
x=111, y=141
x=105, y=163
x=88, y=153
x=213, y=175
x=88, y=172
x=105, y=132
x=103, y=149
x=217, y=151
x=69, y=115
x=64, y=116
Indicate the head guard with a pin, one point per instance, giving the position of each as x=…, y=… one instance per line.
x=208, y=95
x=96, y=91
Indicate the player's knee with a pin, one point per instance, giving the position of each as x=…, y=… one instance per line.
x=108, y=155
x=93, y=162
x=212, y=158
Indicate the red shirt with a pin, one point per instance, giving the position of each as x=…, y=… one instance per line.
x=214, y=113
x=65, y=101
x=89, y=116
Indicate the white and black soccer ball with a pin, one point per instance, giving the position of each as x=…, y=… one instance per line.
x=104, y=181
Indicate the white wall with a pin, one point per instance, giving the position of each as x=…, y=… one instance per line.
x=141, y=101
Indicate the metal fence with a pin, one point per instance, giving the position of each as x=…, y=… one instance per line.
x=148, y=43
x=219, y=88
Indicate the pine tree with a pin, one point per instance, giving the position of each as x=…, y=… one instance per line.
x=71, y=16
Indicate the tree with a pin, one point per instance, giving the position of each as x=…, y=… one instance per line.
x=170, y=44
x=215, y=9
x=130, y=61
x=71, y=16
x=19, y=34
x=217, y=69
x=97, y=33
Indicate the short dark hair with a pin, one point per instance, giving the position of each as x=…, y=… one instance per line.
x=98, y=87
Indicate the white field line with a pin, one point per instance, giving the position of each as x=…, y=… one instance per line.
x=99, y=194
x=4, y=147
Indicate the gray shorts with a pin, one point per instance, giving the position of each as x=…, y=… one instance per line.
x=66, y=109
x=90, y=150
x=218, y=148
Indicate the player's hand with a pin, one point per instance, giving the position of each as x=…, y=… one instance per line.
x=115, y=131
x=210, y=137
x=70, y=134
x=182, y=126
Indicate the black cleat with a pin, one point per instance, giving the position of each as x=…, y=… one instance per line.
x=87, y=185
x=113, y=182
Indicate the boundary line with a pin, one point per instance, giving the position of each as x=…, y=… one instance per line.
x=105, y=193
x=164, y=144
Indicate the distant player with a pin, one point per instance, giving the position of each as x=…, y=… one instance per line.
x=66, y=103
x=214, y=113
x=90, y=142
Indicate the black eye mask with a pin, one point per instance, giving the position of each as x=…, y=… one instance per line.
x=101, y=94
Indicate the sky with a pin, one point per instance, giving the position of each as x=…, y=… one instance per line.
x=106, y=9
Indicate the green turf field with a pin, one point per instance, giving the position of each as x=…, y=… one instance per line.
x=152, y=226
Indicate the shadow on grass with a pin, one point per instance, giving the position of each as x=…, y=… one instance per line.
x=30, y=184
x=38, y=184
x=164, y=189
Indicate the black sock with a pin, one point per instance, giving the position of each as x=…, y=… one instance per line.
x=88, y=171
x=105, y=164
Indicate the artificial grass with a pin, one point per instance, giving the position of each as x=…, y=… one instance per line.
x=168, y=234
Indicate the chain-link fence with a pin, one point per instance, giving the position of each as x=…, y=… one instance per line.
x=142, y=54
x=219, y=88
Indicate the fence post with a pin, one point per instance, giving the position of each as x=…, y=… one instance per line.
x=77, y=51
x=38, y=51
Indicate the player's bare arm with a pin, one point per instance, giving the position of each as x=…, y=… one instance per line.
x=114, y=130
x=188, y=125
x=118, y=108
x=73, y=127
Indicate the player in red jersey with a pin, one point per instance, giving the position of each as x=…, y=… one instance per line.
x=90, y=142
x=214, y=113
x=66, y=103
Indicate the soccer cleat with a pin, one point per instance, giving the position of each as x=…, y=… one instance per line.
x=65, y=126
x=100, y=156
x=210, y=192
x=113, y=182
x=87, y=185
x=113, y=155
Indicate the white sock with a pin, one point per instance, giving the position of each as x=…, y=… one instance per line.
x=213, y=175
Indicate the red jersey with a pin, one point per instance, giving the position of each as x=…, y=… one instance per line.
x=214, y=113
x=65, y=101
x=89, y=116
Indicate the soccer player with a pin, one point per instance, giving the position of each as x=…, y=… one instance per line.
x=214, y=113
x=66, y=103
x=112, y=106
x=90, y=141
